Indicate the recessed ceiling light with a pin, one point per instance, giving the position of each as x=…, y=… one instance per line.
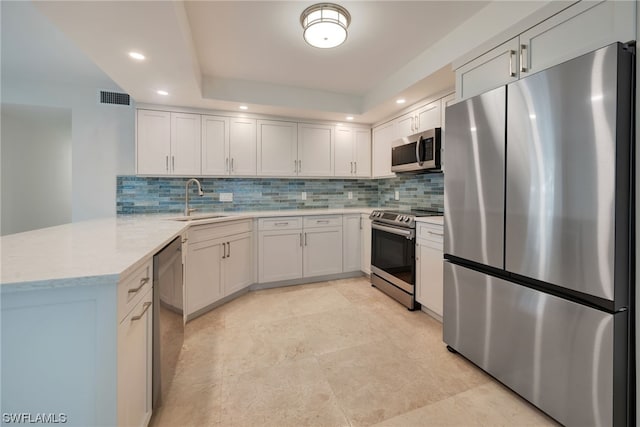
x=162, y=92
x=243, y=107
x=349, y=117
x=401, y=101
x=136, y=55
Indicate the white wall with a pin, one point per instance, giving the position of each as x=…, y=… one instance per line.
x=36, y=167
x=102, y=141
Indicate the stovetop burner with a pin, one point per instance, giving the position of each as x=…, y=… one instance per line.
x=401, y=218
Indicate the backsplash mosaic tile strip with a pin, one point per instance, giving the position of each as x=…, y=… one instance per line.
x=135, y=195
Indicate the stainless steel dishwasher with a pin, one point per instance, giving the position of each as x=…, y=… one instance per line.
x=168, y=323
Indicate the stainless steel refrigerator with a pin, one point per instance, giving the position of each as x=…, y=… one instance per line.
x=538, y=275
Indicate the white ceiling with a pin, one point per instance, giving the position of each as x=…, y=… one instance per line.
x=219, y=54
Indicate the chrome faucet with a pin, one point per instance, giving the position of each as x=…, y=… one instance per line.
x=187, y=210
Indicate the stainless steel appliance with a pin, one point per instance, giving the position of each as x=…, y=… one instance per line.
x=417, y=153
x=539, y=229
x=393, y=261
x=168, y=323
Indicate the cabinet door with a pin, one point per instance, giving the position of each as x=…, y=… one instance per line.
x=365, y=248
x=344, y=160
x=185, y=144
x=315, y=150
x=238, y=263
x=242, y=146
x=428, y=117
x=322, y=251
x=135, y=348
x=153, y=142
x=382, y=137
x=215, y=145
x=429, y=276
x=497, y=67
x=405, y=126
x=577, y=30
x=351, y=226
x=277, y=148
x=279, y=255
x=446, y=101
x=203, y=274
x=362, y=145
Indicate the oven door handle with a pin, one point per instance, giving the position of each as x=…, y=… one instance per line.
x=409, y=234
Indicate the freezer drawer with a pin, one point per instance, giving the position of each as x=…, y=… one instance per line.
x=568, y=175
x=557, y=354
x=474, y=182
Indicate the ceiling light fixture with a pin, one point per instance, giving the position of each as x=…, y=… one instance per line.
x=401, y=101
x=325, y=25
x=136, y=55
x=349, y=117
x=243, y=107
x=162, y=92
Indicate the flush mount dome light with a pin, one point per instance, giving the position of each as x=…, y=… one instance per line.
x=325, y=25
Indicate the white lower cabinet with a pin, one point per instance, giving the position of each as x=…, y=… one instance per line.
x=429, y=268
x=365, y=237
x=291, y=248
x=352, y=242
x=135, y=361
x=219, y=262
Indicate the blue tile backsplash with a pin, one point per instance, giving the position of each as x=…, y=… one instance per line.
x=136, y=195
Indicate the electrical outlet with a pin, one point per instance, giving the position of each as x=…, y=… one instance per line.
x=303, y=196
x=350, y=195
x=226, y=197
x=397, y=195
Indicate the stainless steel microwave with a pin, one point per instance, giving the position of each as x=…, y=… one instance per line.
x=417, y=153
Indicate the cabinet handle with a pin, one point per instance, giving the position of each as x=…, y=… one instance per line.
x=355, y=167
x=305, y=239
x=232, y=168
x=322, y=221
x=295, y=166
x=300, y=239
x=417, y=122
x=523, y=54
x=281, y=223
x=166, y=163
x=146, y=306
x=173, y=163
x=360, y=223
x=512, y=53
x=299, y=165
x=351, y=163
x=228, y=250
x=226, y=165
x=224, y=250
x=434, y=233
x=143, y=282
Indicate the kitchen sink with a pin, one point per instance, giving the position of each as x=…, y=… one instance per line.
x=197, y=217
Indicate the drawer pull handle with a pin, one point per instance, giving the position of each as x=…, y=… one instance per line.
x=224, y=250
x=228, y=249
x=281, y=223
x=324, y=221
x=142, y=283
x=511, y=55
x=433, y=232
x=139, y=316
x=300, y=239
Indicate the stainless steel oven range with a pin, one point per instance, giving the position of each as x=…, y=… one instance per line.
x=393, y=260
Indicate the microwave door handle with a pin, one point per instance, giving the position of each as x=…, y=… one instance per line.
x=419, y=152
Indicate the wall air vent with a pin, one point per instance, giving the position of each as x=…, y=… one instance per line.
x=114, y=98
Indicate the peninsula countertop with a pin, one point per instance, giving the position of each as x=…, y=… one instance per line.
x=105, y=249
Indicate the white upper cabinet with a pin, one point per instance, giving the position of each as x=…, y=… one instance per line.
x=168, y=143
x=405, y=125
x=153, y=142
x=578, y=29
x=583, y=27
x=185, y=144
x=215, y=145
x=383, y=136
x=428, y=117
x=352, y=152
x=315, y=150
x=242, y=146
x=277, y=148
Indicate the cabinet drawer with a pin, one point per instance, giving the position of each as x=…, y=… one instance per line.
x=201, y=233
x=430, y=232
x=323, y=221
x=133, y=287
x=280, y=223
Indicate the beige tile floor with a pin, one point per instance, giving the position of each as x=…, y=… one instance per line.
x=334, y=353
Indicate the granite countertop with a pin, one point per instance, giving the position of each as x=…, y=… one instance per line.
x=104, y=250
